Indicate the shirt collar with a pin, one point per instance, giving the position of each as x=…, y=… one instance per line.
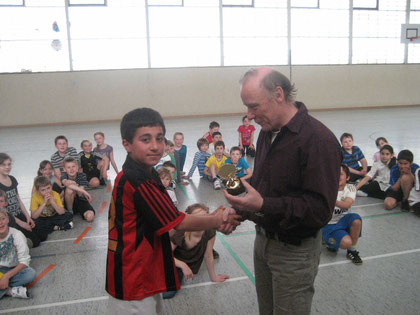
x=297, y=120
x=130, y=164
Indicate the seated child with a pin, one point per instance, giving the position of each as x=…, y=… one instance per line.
x=401, y=181
x=75, y=196
x=141, y=214
x=14, y=205
x=14, y=260
x=165, y=157
x=180, y=150
x=171, y=168
x=414, y=197
x=47, y=209
x=104, y=150
x=213, y=127
x=46, y=169
x=246, y=137
x=214, y=163
x=242, y=168
x=166, y=179
x=379, y=174
x=63, y=151
x=93, y=165
x=191, y=248
x=176, y=174
x=344, y=229
x=352, y=156
x=200, y=158
x=217, y=136
x=380, y=142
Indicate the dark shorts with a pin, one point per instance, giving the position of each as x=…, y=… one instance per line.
x=57, y=188
x=397, y=195
x=81, y=206
x=373, y=190
x=334, y=233
x=93, y=174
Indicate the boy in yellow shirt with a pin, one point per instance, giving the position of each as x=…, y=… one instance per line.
x=47, y=209
x=214, y=163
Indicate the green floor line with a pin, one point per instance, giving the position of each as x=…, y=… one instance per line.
x=183, y=191
x=383, y=215
x=240, y=234
x=237, y=259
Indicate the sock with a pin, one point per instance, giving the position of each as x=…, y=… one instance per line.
x=352, y=248
x=9, y=291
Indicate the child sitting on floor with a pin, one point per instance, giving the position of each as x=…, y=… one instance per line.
x=77, y=199
x=104, y=150
x=47, y=209
x=191, y=248
x=414, y=197
x=380, y=142
x=213, y=127
x=246, y=137
x=344, y=229
x=217, y=136
x=166, y=179
x=242, y=168
x=14, y=260
x=401, y=181
x=379, y=174
x=200, y=158
x=214, y=163
x=93, y=165
x=46, y=169
x=180, y=150
x=352, y=156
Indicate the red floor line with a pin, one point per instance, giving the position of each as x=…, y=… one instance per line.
x=102, y=207
x=82, y=235
x=109, y=188
x=40, y=276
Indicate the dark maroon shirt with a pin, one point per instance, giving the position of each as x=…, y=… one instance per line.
x=297, y=176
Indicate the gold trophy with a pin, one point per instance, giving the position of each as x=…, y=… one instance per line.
x=233, y=184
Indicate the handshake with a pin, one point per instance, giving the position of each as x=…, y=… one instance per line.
x=229, y=220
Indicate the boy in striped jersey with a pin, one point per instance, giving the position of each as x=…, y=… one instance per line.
x=200, y=158
x=140, y=263
x=344, y=229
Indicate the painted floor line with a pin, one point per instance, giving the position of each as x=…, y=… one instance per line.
x=82, y=235
x=34, y=307
x=203, y=284
x=368, y=205
x=102, y=207
x=100, y=298
x=75, y=238
x=41, y=275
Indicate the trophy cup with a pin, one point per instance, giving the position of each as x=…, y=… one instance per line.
x=233, y=184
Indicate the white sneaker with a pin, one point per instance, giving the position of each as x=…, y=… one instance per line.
x=20, y=292
x=360, y=193
x=217, y=185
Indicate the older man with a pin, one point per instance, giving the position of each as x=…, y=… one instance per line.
x=292, y=192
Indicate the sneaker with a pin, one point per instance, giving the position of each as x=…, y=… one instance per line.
x=215, y=254
x=66, y=226
x=353, y=255
x=405, y=206
x=20, y=292
x=333, y=250
x=217, y=185
x=360, y=193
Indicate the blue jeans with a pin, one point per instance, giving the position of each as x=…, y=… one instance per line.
x=26, y=276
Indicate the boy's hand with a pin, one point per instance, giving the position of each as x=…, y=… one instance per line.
x=4, y=282
x=88, y=197
x=25, y=226
x=230, y=221
x=188, y=274
x=220, y=278
x=31, y=223
x=241, y=147
x=405, y=170
x=251, y=146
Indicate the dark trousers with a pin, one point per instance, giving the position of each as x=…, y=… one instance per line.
x=373, y=190
x=36, y=235
x=46, y=224
x=246, y=150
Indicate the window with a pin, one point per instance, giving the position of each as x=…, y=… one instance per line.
x=256, y=36
x=377, y=34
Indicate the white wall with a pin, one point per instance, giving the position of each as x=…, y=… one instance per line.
x=39, y=98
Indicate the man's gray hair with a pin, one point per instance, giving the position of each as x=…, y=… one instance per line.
x=272, y=80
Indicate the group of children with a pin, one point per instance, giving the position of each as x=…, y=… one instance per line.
x=392, y=179
x=58, y=192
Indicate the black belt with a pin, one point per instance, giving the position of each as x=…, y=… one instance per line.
x=292, y=240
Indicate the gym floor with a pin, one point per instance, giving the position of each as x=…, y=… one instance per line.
x=71, y=264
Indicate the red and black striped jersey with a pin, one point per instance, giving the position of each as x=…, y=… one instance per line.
x=140, y=261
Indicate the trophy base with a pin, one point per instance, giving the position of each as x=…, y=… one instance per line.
x=237, y=191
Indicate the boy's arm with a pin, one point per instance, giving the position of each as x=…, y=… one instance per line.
x=194, y=165
x=345, y=204
x=240, y=141
x=114, y=165
x=209, y=259
x=364, y=167
x=363, y=182
x=4, y=281
x=248, y=172
x=56, y=204
x=80, y=189
x=251, y=143
x=25, y=212
x=35, y=208
x=57, y=173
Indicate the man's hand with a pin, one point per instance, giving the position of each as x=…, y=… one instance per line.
x=252, y=201
x=230, y=221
